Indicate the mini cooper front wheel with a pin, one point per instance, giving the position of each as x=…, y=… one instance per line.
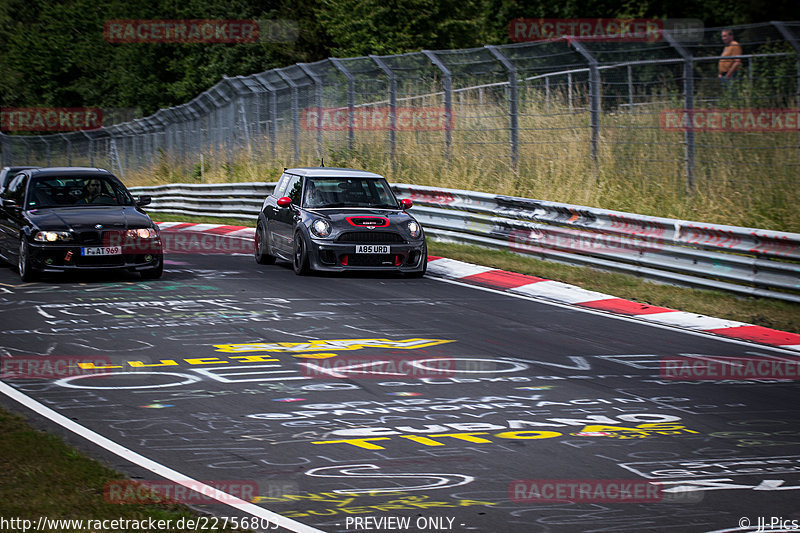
x=300, y=255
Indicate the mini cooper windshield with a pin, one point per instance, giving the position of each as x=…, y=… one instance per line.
x=72, y=191
x=324, y=193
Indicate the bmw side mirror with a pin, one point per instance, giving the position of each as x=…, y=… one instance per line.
x=406, y=203
x=143, y=200
x=284, y=201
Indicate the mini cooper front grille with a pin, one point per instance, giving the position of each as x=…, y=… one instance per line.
x=371, y=237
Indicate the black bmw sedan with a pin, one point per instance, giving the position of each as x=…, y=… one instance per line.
x=338, y=219
x=76, y=219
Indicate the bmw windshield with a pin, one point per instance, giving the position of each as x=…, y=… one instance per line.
x=321, y=193
x=73, y=191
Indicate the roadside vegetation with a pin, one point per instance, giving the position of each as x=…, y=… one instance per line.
x=640, y=168
x=43, y=476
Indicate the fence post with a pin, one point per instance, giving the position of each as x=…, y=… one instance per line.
x=233, y=112
x=392, y=108
x=594, y=95
x=448, y=100
x=351, y=102
x=796, y=45
x=46, y=150
x=688, y=107
x=295, y=113
x=513, y=114
x=547, y=93
x=91, y=148
x=569, y=91
x=272, y=104
x=4, y=147
x=630, y=88
x=317, y=102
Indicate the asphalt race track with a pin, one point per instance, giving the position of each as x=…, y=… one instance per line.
x=377, y=403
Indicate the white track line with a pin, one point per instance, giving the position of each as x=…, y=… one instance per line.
x=156, y=468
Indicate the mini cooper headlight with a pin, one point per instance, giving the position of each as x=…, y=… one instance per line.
x=321, y=227
x=52, y=236
x=142, y=233
x=414, y=228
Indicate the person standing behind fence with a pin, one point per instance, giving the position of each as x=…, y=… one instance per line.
x=729, y=68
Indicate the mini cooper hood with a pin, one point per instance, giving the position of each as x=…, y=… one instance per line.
x=87, y=217
x=341, y=214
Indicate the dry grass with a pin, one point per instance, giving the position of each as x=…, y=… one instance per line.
x=744, y=179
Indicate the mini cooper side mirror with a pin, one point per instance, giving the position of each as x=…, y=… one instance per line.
x=143, y=200
x=406, y=203
x=284, y=201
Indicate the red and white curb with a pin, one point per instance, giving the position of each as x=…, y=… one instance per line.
x=558, y=292
x=214, y=229
x=570, y=294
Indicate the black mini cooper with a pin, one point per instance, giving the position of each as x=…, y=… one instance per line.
x=338, y=219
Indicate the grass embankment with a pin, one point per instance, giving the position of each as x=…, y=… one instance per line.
x=42, y=476
x=760, y=311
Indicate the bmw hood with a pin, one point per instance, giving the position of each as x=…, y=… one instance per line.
x=88, y=217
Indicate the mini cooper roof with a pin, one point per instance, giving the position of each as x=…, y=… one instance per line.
x=330, y=172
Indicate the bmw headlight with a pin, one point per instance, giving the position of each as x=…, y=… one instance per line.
x=52, y=236
x=414, y=229
x=321, y=227
x=142, y=233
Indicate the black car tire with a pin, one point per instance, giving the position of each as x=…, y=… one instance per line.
x=154, y=273
x=300, y=255
x=26, y=272
x=261, y=248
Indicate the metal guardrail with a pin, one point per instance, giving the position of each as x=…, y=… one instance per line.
x=747, y=261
